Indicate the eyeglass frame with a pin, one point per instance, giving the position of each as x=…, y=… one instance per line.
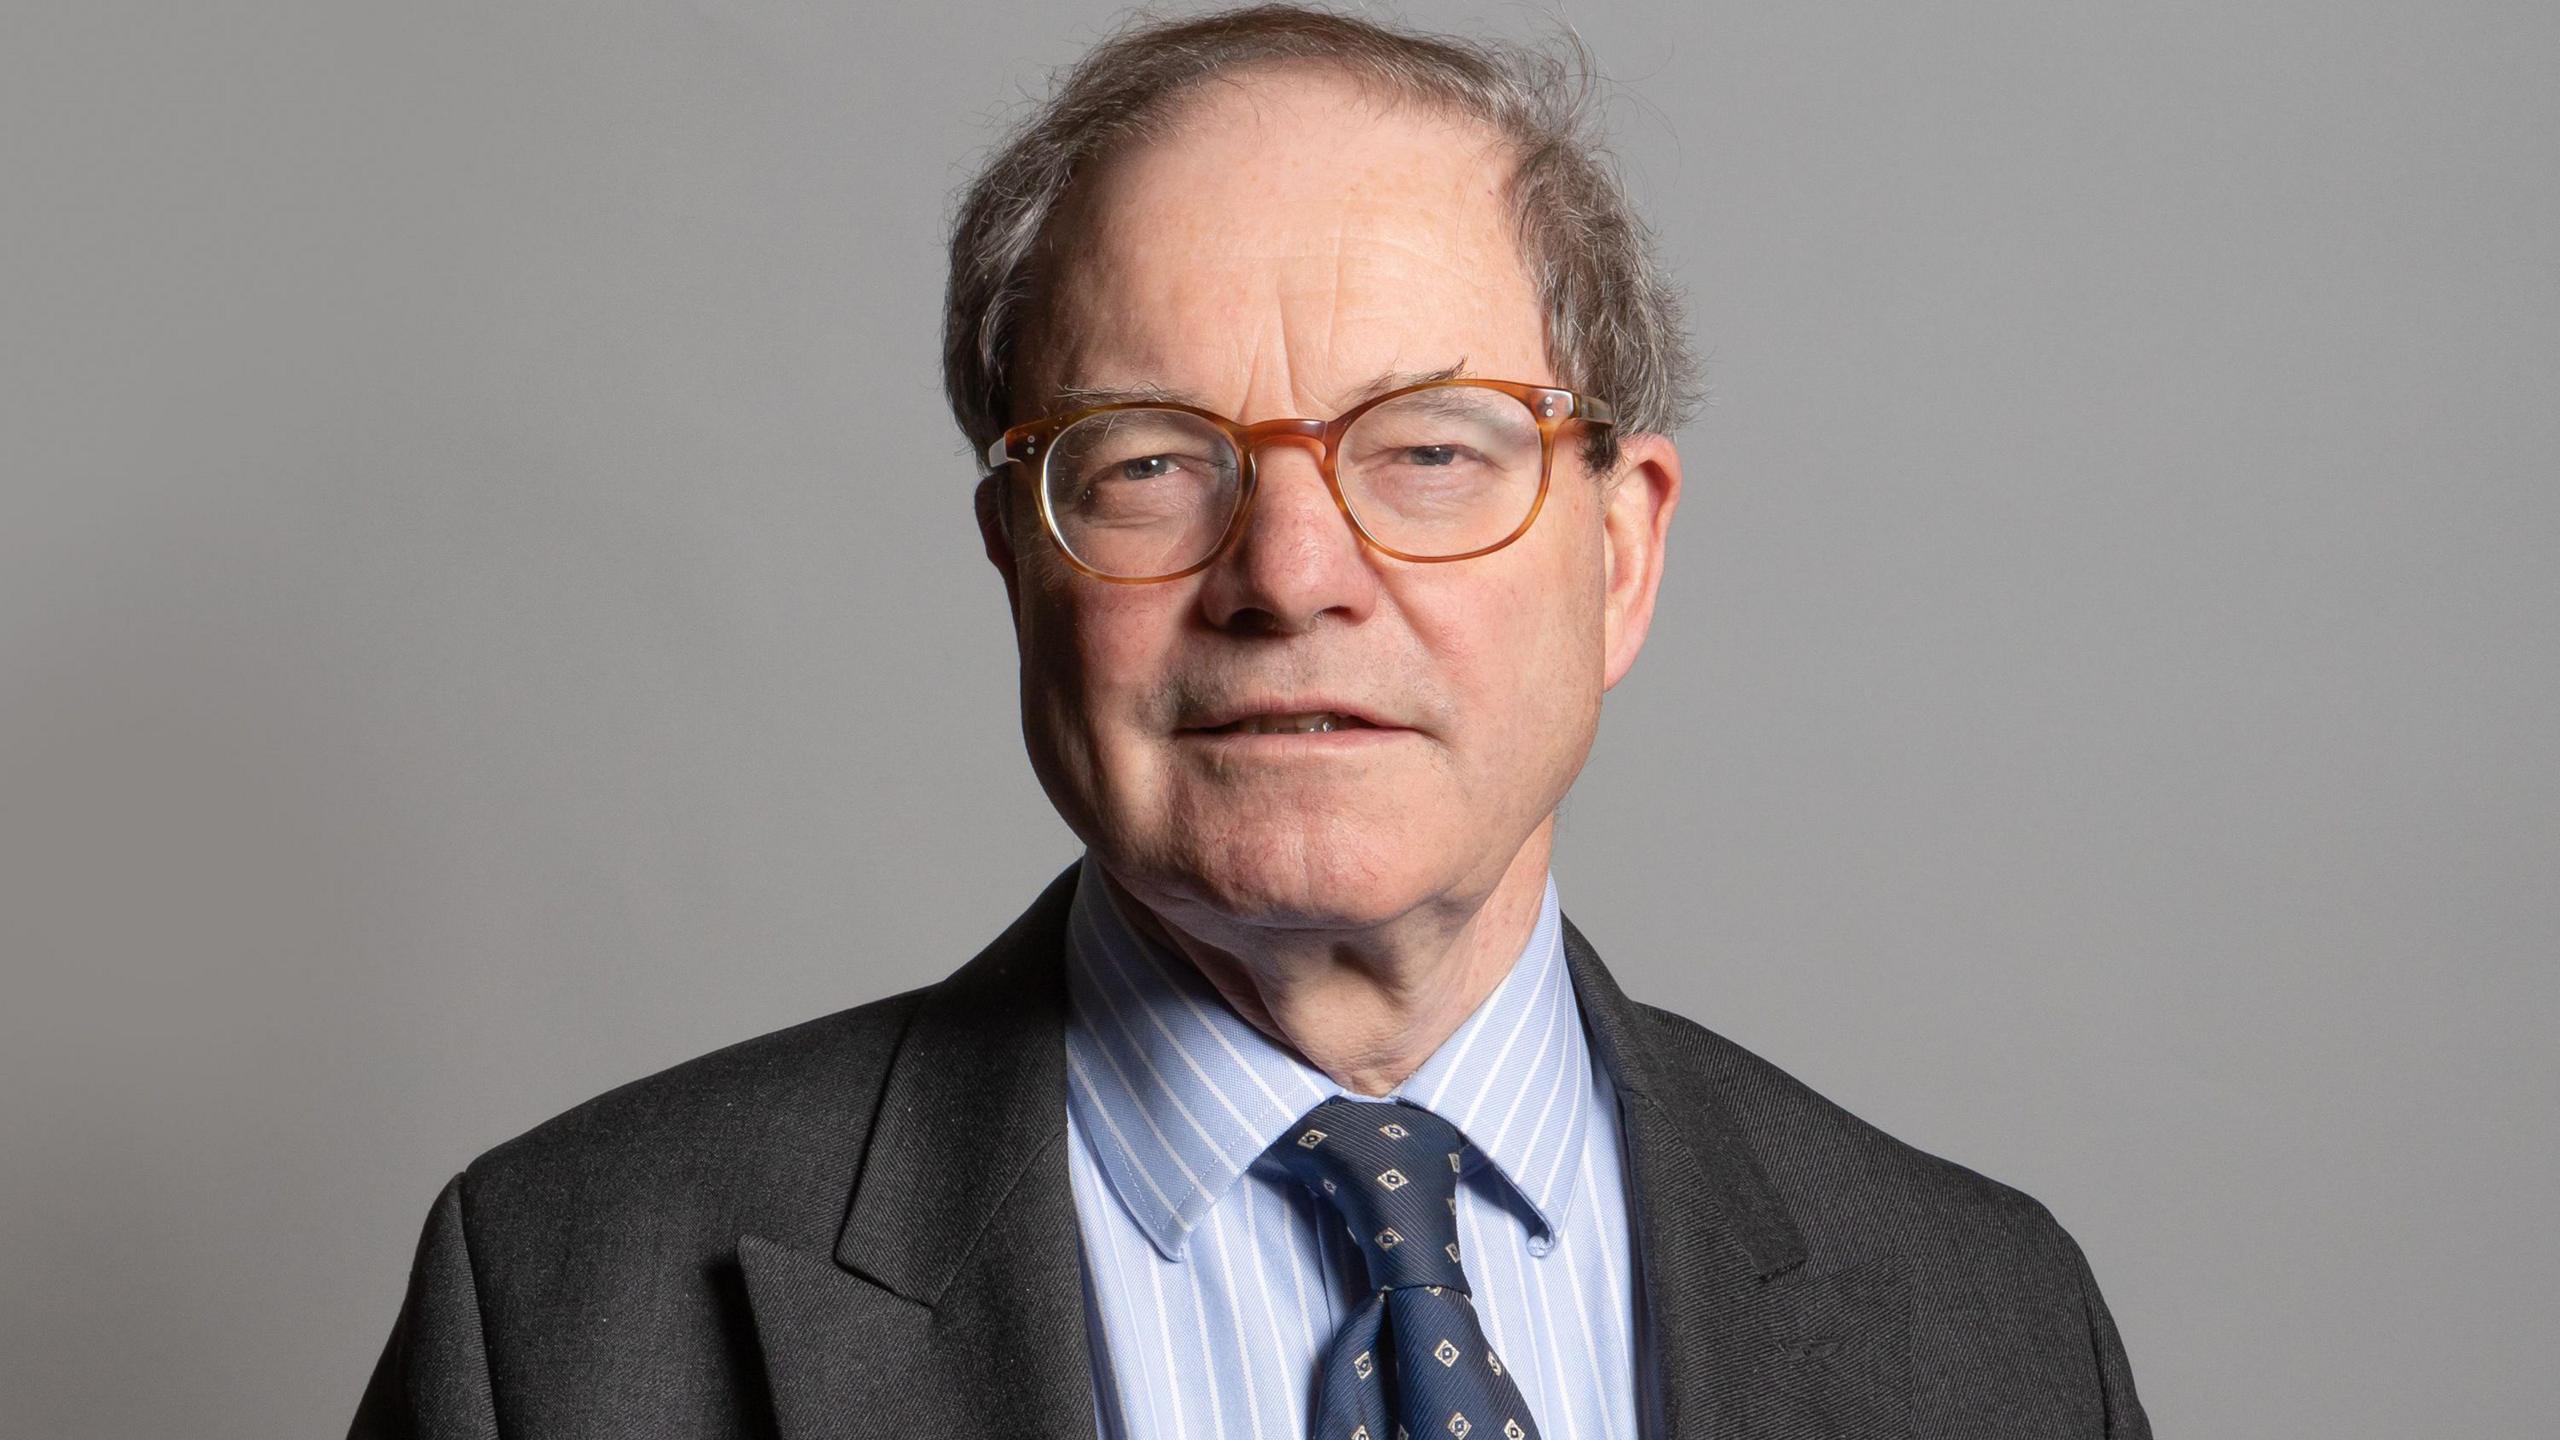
x=1550, y=406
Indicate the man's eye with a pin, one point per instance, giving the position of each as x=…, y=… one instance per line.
x=1146, y=467
x=1431, y=455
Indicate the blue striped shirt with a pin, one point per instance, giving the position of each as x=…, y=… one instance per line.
x=1213, y=1282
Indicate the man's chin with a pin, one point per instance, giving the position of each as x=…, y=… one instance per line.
x=1284, y=884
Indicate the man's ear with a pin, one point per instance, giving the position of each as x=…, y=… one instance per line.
x=995, y=532
x=1635, y=518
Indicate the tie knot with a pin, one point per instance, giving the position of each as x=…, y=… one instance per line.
x=1391, y=1172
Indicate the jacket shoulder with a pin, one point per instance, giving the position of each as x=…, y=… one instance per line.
x=579, y=1279
x=2005, y=1318
x=1851, y=1187
x=730, y=1140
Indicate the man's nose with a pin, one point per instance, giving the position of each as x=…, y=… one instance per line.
x=1298, y=559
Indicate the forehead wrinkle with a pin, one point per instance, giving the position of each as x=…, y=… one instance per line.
x=1473, y=259
x=1337, y=291
x=1336, y=304
x=1259, y=350
x=1148, y=392
x=1328, y=312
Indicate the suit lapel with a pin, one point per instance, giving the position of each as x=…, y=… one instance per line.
x=1741, y=1340
x=953, y=1303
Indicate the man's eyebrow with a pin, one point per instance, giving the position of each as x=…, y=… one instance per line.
x=1082, y=397
x=1398, y=379
x=1085, y=397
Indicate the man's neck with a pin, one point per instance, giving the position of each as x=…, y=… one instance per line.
x=1367, y=1007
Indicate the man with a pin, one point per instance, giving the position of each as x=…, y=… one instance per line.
x=1324, y=385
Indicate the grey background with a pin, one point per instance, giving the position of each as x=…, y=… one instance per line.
x=489, y=609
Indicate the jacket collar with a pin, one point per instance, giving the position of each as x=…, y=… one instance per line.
x=971, y=1109
x=1740, y=1335
x=953, y=1302
x=1664, y=1090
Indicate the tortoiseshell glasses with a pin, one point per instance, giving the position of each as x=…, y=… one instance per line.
x=1444, y=470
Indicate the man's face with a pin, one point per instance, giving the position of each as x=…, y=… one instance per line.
x=1291, y=248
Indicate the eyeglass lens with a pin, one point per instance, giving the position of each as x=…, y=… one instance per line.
x=1436, y=472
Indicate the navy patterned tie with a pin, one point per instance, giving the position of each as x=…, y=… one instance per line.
x=1412, y=1362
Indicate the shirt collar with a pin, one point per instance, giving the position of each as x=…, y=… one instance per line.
x=1176, y=1095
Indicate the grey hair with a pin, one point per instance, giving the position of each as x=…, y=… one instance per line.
x=1613, y=321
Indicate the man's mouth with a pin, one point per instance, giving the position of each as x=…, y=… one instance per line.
x=1313, y=723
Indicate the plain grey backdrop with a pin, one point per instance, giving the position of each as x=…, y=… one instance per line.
x=489, y=609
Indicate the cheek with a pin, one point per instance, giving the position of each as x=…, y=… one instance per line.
x=1092, y=657
x=1521, y=644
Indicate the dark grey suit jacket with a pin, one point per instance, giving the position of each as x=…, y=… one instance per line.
x=862, y=1226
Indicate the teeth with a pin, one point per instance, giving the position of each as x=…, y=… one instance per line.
x=1314, y=724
